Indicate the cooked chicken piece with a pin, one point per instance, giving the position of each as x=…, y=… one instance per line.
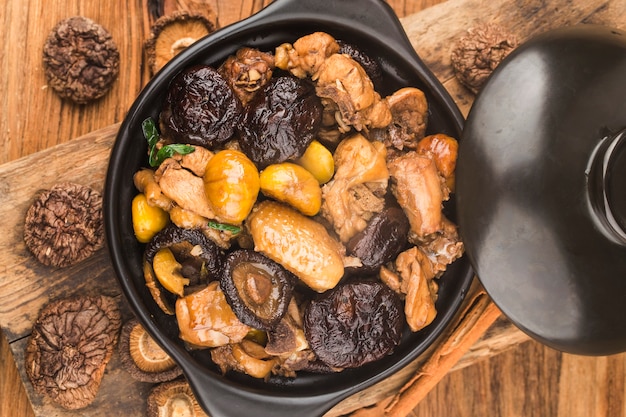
x=182, y=186
x=342, y=81
x=414, y=280
x=288, y=336
x=196, y=161
x=297, y=242
x=409, y=111
x=146, y=183
x=345, y=203
x=205, y=319
x=444, y=150
x=443, y=247
x=246, y=357
x=306, y=55
x=417, y=187
x=247, y=71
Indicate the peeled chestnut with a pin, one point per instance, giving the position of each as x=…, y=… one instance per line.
x=384, y=237
x=257, y=289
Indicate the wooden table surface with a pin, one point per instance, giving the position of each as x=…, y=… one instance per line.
x=526, y=380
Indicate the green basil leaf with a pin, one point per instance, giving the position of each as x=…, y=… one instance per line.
x=150, y=131
x=168, y=151
x=224, y=227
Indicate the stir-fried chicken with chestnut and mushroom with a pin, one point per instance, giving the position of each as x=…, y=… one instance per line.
x=271, y=243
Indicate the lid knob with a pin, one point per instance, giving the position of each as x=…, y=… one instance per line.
x=607, y=186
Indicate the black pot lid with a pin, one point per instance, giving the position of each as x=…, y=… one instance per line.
x=541, y=188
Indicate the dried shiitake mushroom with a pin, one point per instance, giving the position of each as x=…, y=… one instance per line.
x=172, y=33
x=81, y=60
x=71, y=343
x=479, y=52
x=173, y=398
x=142, y=357
x=64, y=224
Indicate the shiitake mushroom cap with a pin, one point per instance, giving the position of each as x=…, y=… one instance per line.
x=200, y=108
x=354, y=323
x=280, y=121
x=173, y=398
x=209, y=260
x=257, y=289
x=142, y=357
x=384, y=237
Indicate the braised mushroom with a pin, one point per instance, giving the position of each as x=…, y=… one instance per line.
x=176, y=258
x=258, y=289
x=70, y=346
x=280, y=121
x=173, y=399
x=64, y=225
x=354, y=324
x=384, y=237
x=200, y=108
x=142, y=357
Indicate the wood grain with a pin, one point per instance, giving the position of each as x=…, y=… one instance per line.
x=527, y=380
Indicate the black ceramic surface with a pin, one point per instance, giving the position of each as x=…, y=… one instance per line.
x=541, y=188
x=371, y=25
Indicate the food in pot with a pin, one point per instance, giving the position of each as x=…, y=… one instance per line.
x=247, y=71
x=294, y=185
x=354, y=323
x=258, y=289
x=176, y=258
x=200, y=108
x=231, y=185
x=384, y=237
x=299, y=243
x=318, y=246
x=280, y=121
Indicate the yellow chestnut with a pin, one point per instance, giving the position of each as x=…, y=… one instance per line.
x=231, y=183
x=147, y=219
x=294, y=185
x=318, y=160
x=167, y=271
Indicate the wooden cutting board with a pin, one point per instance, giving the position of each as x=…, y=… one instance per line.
x=25, y=285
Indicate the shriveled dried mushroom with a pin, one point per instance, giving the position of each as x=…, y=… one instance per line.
x=81, y=60
x=143, y=358
x=479, y=52
x=64, y=224
x=172, y=33
x=173, y=398
x=70, y=346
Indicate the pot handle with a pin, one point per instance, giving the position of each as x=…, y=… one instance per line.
x=226, y=399
x=374, y=16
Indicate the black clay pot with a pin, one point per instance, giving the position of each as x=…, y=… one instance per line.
x=372, y=26
x=541, y=188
